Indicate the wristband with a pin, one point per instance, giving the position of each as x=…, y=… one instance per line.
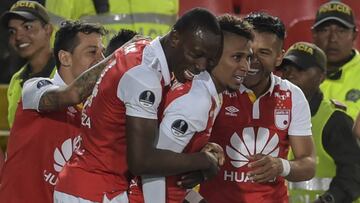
x=286, y=167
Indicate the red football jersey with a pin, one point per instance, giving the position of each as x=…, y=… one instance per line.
x=189, y=112
x=131, y=85
x=189, y=115
x=244, y=127
x=38, y=147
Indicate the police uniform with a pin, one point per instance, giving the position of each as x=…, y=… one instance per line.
x=338, y=156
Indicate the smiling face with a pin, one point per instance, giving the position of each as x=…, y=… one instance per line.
x=195, y=52
x=29, y=37
x=267, y=48
x=234, y=62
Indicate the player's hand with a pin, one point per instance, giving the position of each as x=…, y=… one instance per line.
x=264, y=168
x=194, y=178
x=190, y=180
x=215, y=150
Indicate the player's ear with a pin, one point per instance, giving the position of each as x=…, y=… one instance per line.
x=65, y=58
x=174, y=38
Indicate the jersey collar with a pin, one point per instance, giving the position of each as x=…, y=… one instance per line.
x=57, y=80
x=160, y=55
x=270, y=90
x=205, y=76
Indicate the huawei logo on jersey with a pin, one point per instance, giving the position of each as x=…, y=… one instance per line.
x=250, y=144
x=63, y=155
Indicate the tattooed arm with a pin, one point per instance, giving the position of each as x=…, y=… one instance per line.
x=76, y=92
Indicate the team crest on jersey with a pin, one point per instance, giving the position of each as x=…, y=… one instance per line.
x=282, y=118
x=353, y=95
x=147, y=98
x=43, y=83
x=179, y=127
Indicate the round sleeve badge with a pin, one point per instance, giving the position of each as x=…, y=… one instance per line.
x=43, y=83
x=147, y=98
x=179, y=127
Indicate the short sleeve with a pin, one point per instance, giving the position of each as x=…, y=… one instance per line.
x=141, y=95
x=300, y=124
x=181, y=122
x=33, y=90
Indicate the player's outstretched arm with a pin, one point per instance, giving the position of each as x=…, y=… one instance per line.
x=76, y=92
x=145, y=159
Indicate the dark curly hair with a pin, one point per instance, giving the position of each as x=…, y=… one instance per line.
x=66, y=37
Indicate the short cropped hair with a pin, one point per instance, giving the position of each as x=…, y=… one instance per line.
x=118, y=40
x=197, y=18
x=236, y=25
x=263, y=22
x=66, y=37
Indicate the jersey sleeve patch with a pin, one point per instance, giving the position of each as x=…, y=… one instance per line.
x=179, y=127
x=43, y=83
x=147, y=98
x=33, y=90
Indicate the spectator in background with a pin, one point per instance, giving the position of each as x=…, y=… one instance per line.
x=334, y=31
x=256, y=126
x=41, y=142
x=338, y=156
x=30, y=32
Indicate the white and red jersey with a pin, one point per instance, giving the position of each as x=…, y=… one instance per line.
x=39, y=145
x=132, y=85
x=188, y=116
x=246, y=127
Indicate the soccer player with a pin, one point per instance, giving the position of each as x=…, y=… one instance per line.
x=257, y=124
x=41, y=142
x=119, y=119
x=191, y=107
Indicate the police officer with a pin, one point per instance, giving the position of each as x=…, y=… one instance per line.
x=334, y=31
x=338, y=156
x=30, y=30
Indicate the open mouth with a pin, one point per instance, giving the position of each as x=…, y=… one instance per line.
x=239, y=79
x=252, y=71
x=189, y=75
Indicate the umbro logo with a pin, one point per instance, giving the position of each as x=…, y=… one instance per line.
x=250, y=144
x=231, y=111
